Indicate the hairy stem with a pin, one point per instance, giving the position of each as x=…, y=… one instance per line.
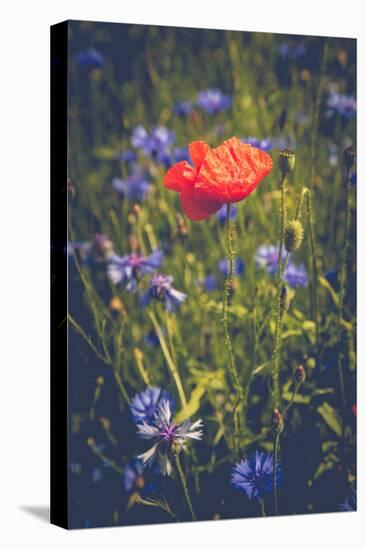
x=185, y=486
x=225, y=321
x=278, y=328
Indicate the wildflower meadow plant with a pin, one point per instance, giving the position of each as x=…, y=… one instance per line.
x=127, y=270
x=211, y=272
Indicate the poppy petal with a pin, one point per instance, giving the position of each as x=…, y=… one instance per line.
x=197, y=210
x=230, y=172
x=179, y=176
x=197, y=151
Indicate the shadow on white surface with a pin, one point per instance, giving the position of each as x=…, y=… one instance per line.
x=40, y=512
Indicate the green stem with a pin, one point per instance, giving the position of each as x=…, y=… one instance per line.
x=276, y=446
x=315, y=275
x=171, y=365
x=225, y=320
x=298, y=384
x=185, y=486
x=263, y=509
x=342, y=284
x=278, y=328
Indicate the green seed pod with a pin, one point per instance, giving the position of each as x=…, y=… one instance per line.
x=294, y=234
x=175, y=448
x=286, y=161
x=278, y=424
x=349, y=156
x=285, y=300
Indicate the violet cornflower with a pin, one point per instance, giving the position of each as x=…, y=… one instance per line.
x=161, y=289
x=127, y=269
x=169, y=438
x=145, y=405
x=213, y=101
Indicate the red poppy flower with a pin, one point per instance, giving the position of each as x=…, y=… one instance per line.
x=228, y=173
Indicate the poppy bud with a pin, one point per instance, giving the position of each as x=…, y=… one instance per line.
x=278, y=423
x=349, y=156
x=299, y=374
x=286, y=161
x=285, y=299
x=294, y=234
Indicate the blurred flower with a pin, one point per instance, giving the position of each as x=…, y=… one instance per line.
x=155, y=144
x=210, y=283
x=169, y=438
x=133, y=476
x=255, y=475
x=161, y=289
x=90, y=59
x=134, y=187
x=178, y=154
x=221, y=214
x=75, y=468
x=264, y=144
x=226, y=174
x=213, y=101
x=267, y=257
x=128, y=156
x=127, y=269
x=353, y=178
x=333, y=154
x=81, y=249
x=145, y=405
x=183, y=108
x=97, y=475
x=289, y=50
x=103, y=246
x=341, y=104
x=296, y=275
x=350, y=503
x=239, y=267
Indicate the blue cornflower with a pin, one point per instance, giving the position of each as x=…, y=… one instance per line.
x=161, y=289
x=167, y=437
x=145, y=405
x=210, y=283
x=134, y=187
x=264, y=144
x=350, y=503
x=213, y=101
x=90, y=59
x=221, y=214
x=296, y=275
x=255, y=475
x=239, y=266
x=128, y=156
x=342, y=104
x=332, y=278
x=183, y=108
x=127, y=269
x=354, y=178
x=155, y=144
x=267, y=257
x=169, y=157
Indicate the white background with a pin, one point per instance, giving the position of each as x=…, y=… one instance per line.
x=24, y=275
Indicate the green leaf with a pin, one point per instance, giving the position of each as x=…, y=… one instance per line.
x=325, y=284
x=330, y=417
x=302, y=399
x=193, y=404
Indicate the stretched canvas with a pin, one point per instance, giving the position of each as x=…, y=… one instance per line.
x=203, y=274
